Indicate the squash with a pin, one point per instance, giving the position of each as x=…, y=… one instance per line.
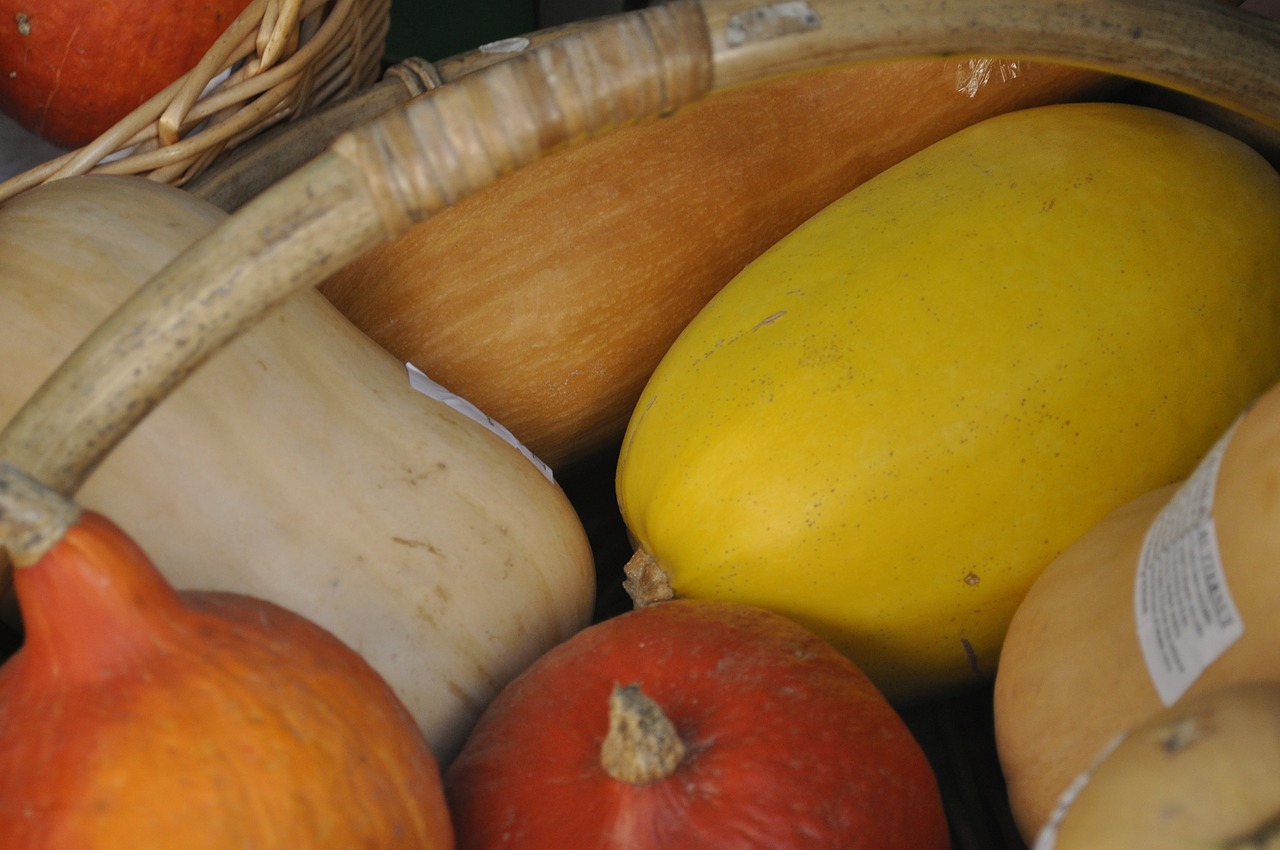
x=70, y=69
x=694, y=724
x=300, y=466
x=892, y=421
x=548, y=298
x=1200, y=774
x=134, y=716
x=1076, y=635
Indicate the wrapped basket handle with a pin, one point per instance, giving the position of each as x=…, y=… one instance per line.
x=377, y=180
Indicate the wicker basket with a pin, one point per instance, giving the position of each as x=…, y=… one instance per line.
x=278, y=59
x=237, y=176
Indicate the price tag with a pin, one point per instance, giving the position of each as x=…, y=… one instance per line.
x=1185, y=613
x=423, y=384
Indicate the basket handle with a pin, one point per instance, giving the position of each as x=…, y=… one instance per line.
x=377, y=180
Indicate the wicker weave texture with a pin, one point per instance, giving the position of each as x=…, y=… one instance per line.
x=279, y=59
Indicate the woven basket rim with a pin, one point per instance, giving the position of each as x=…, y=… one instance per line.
x=278, y=60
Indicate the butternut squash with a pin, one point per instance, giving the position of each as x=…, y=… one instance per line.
x=1074, y=672
x=1200, y=774
x=895, y=418
x=548, y=298
x=300, y=466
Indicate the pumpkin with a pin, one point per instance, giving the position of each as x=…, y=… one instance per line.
x=70, y=69
x=548, y=298
x=893, y=420
x=300, y=466
x=693, y=724
x=1077, y=633
x=134, y=716
x=1199, y=774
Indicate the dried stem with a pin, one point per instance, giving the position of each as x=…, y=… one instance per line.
x=643, y=745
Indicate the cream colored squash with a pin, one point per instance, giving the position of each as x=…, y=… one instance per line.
x=1201, y=775
x=1073, y=674
x=892, y=421
x=299, y=465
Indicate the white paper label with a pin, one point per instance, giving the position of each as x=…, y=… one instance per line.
x=1185, y=614
x=423, y=384
x=1047, y=839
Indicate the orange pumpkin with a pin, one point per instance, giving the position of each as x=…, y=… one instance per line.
x=694, y=724
x=135, y=716
x=69, y=69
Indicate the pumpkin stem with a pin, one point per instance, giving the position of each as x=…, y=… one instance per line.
x=646, y=582
x=642, y=745
x=33, y=518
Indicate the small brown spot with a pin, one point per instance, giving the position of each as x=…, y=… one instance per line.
x=416, y=544
x=972, y=579
x=1181, y=734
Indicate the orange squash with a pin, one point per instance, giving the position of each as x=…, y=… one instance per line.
x=694, y=724
x=135, y=716
x=548, y=298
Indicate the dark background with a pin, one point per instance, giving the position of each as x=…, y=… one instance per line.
x=438, y=29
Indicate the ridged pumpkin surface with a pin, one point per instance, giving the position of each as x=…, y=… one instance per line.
x=888, y=424
x=786, y=745
x=137, y=717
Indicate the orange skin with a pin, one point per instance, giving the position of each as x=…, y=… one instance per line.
x=788, y=745
x=135, y=716
x=70, y=69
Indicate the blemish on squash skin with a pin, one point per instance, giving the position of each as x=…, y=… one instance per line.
x=1181, y=734
x=769, y=320
x=417, y=544
x=632, y=435
x=414, y=475
x=463, y=697
x=971, y=656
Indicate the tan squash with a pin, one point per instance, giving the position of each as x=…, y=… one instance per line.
x=1073, y=674
x=300, y=466
x=548, y=298
x=1202, y=774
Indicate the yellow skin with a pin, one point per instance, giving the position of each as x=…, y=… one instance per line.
x=888, y=424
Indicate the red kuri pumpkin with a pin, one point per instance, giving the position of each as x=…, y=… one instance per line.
x=134, y=716
x=694, y=724
x=69, y=69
